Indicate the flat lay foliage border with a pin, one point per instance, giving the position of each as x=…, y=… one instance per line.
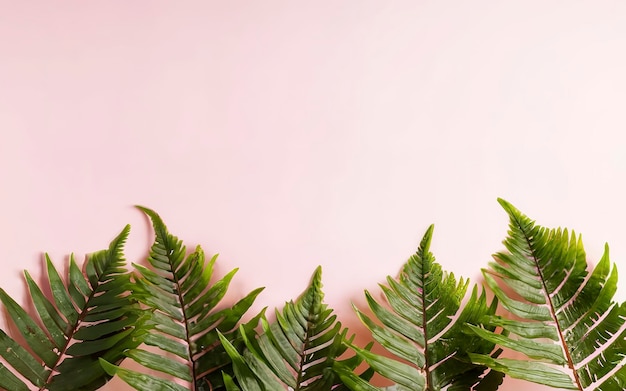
x=438, y=332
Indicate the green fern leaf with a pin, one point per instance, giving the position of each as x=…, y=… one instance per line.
x=296, y=351
x=424, y=327
x=184, y=321
x=567, y=322
x=90, y=317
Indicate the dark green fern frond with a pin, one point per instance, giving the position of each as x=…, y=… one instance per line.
x=568, y=325
x=424, y=326
x=91, y=317
x=297, y=351
x=185, y=317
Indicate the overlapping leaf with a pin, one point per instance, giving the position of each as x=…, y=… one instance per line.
x=90, y=317
x=567, y=323
x=297, y=351
x=178, y=291
x=423, y=326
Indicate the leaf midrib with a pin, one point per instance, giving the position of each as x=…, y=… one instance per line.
x=302, y=354
x=183, y=308
x=568, y=357
x=79, y=320
x=425, y=329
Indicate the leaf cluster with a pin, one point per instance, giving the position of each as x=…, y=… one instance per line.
x=541, y=300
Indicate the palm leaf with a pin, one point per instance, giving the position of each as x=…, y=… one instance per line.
x=566, y=323
x=185, y=318
x=90, y=317
x=423, y=326
x=297, y=351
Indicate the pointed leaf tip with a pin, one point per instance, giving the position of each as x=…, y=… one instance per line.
x=116, y=246
x=316, y=281
x=509, y=208
x=505, y=204
x=108, y=367
x=426, y=239
x=149, y=212
x=157, y=222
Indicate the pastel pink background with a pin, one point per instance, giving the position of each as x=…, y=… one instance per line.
x=287, y=134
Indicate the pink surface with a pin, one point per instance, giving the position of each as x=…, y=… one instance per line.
x=284, y=135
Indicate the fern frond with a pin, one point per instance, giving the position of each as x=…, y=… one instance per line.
x=183, y=327
x=424, y=327
x=566, y=323
x=91, y=317
x=296, y=351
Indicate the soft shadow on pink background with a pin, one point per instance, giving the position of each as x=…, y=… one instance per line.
x=284, y=135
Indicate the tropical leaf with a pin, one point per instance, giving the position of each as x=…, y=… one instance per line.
x=567, y=323
x=423, y=326
x=91, y=316
x=297, y=351
x=182, y=331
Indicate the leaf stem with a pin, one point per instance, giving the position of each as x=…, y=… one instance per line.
x=181, y=300
x=425, y=329
x=568, y=357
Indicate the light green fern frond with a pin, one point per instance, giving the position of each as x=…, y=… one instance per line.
x=178, y=290
x=90, y=317
x=567, y=323
x=423, y=326
x=297, y=351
